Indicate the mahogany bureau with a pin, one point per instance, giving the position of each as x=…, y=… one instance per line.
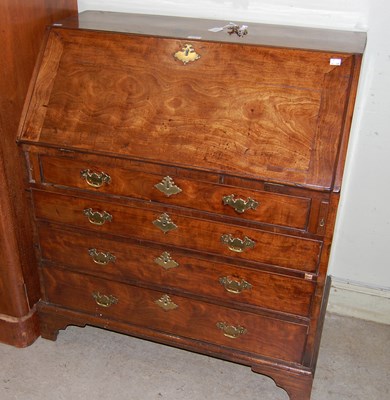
x=184, y=182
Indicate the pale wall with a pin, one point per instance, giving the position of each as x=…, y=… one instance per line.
x=362, y=237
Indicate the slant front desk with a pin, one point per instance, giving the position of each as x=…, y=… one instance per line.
x=184, y=183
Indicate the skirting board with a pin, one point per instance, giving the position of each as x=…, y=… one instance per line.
x=354, y=300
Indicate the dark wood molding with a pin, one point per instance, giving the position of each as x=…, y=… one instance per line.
x=19, y=332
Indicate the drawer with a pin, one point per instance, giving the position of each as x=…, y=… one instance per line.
x=155, y=224
x=175, y=269
x=179, y=316
x=254, y=205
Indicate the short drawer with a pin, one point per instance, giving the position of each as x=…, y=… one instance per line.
x=173, y=228
x=177, y=270
x=254, y=205
x=179, y=316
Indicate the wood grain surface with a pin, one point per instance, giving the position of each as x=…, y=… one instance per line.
x=136, y=221
x=248, y=118
x=260, y=115
x=198, y=276
x=197, y=320
x=273, y=208
x=22, y=28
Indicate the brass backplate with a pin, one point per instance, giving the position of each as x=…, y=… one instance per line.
x=236, y=244
x=240, y=205
x=166, y=261
x=187, y=54
x=104, y=300
x=100, y=257
x=234, y=285
x=167, y=186
x=164, y=223
x=95, y=179
x=231, y=331
x=97, y=217
x=166, y=303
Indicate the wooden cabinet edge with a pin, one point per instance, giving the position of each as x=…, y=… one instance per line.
x=340, y=161
x=19, y=332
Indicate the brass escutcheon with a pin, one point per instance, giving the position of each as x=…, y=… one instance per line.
x=230, y=331
x=240, y=205
x=187, y=54
x=166, y=303
x=103, y=300
x=96, y=217
x=101, y=257
x=95, y=179
x=237, y=245
x=166, y=261
x=234, y=285
x=167, y=186
x=164, y=223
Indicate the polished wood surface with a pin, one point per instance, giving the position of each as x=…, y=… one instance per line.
x=111, y=115
x=279, y=206
x=23, y=26
x=272, y=208
x=248, y=127
x=20, y=332
x=191, y=318
x=191, y=233
x=200, y=277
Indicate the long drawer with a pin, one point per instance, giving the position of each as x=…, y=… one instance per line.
x=175, y=270
x=176, y=315
x=157, y=225
x=255, y=205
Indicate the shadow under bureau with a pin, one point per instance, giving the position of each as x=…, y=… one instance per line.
x=184, y=183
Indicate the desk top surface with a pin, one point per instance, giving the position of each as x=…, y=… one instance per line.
x=199, y=29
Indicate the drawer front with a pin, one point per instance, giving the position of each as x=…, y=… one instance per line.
x=176, y=315
x=180, y=230
x=254, y=205
x=175, y=269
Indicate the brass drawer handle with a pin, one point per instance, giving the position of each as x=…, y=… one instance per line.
x=237, y=245
x=103, y=300
x=166, y=303
x=232, y=285
x=240, y=205
x=167, y=186
x=95, y=179
x=164, y=223
x=187, y=54
x=230, y=331
x=166, y=261
x=96, y=217
x=100, y=257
